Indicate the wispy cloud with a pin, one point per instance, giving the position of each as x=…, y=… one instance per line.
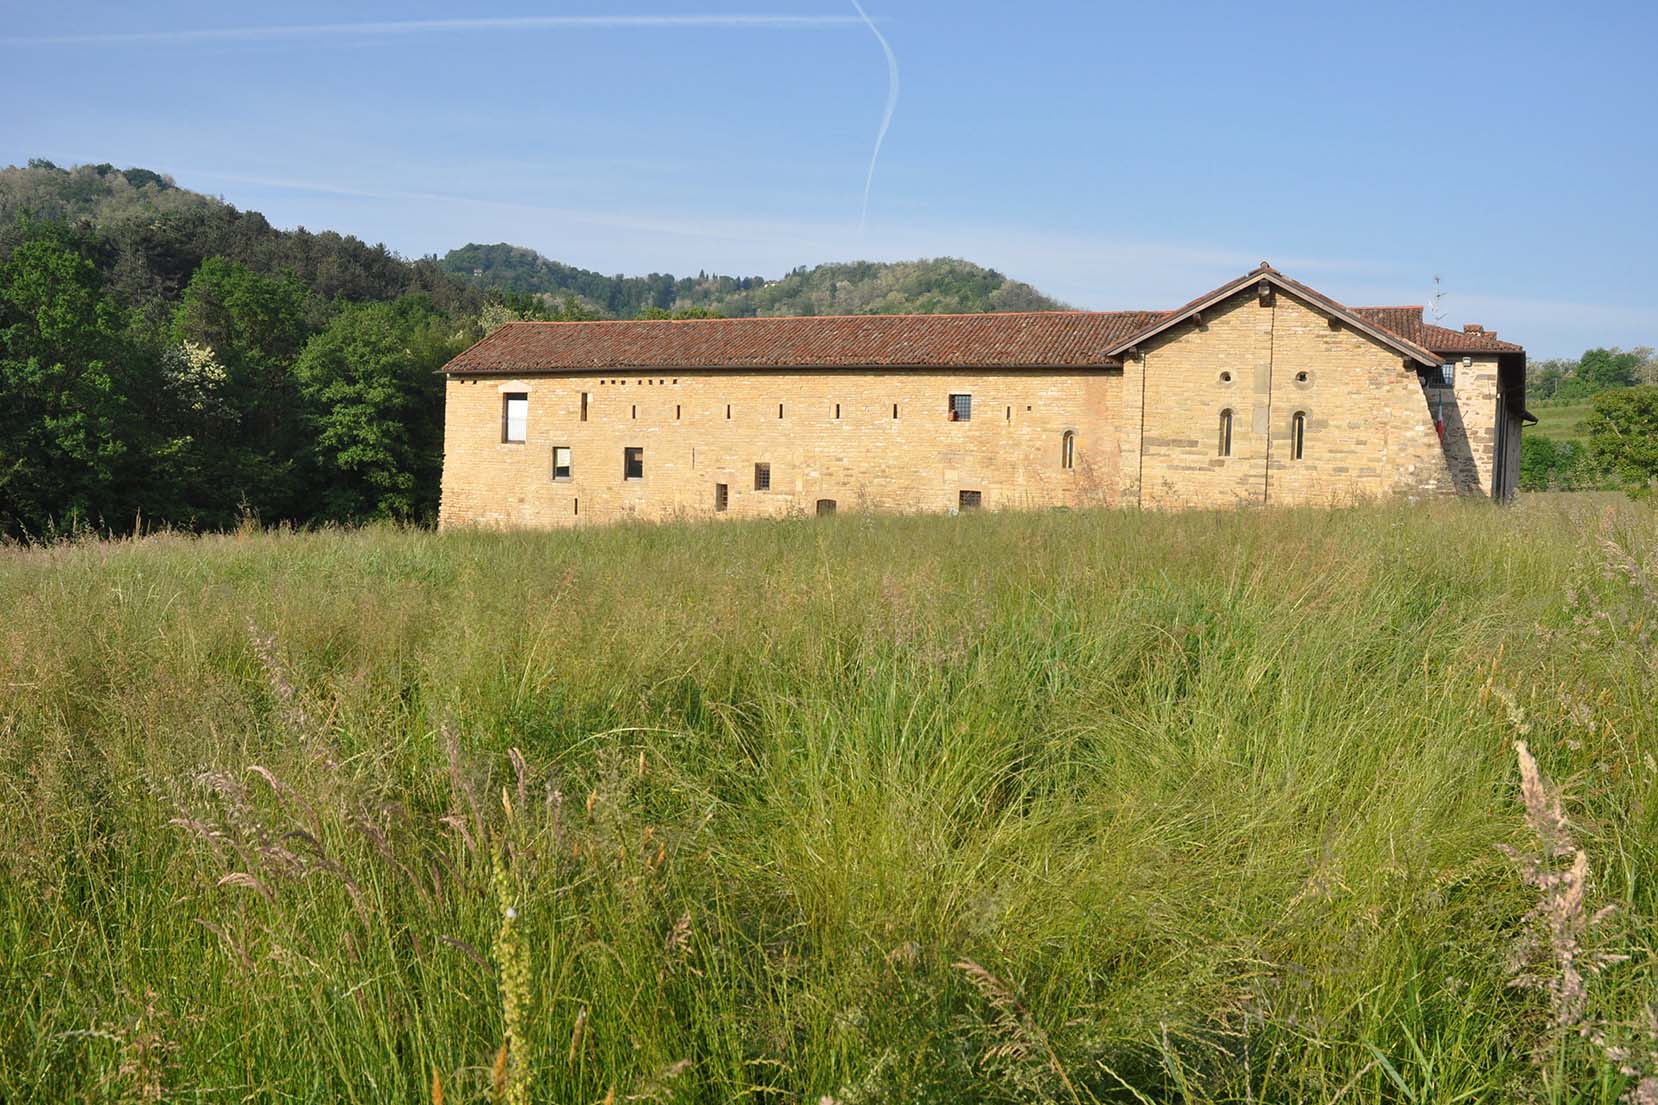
x=185, y=35
x=886, y=116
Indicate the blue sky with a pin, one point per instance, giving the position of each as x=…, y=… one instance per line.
x=1113, y=155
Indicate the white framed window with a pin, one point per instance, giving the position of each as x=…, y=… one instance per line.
x=561, y=462
x=515, y=417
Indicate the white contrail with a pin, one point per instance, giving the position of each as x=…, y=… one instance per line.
x=886, y=118
x=429, y=26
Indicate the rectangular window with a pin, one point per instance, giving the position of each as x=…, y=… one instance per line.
x=837, y=410
x=780, y=410
x=969, y=500
x=635, y=413
x=722, y=496
x=1448, y=375
x=561, y=462
x=895, y=411
x=728, y=410
x=515, y=417
x=676, y=412
x=961, y=408
x=584, y=406
x=633, y=463
x=762, y=477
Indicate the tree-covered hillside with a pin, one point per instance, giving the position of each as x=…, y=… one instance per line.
x=944, y=284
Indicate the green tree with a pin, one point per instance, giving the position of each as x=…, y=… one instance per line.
x=373, y=404
x=69, y=374
x=254, y=327
x=1623, y=435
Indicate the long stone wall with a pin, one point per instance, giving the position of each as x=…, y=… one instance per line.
x=825, y=436
x=1147, y=434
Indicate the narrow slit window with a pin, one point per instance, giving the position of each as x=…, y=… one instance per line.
x=1068, y=450
x=1298, y=435
x=762, y=477
x=1226, y=432
x=837, y=410
x=635, y=410
x=780, y=410
x=895, y=412
x=633, y=463
x=961, y=408
x=728, y=410
x=575, y=506
x=676, y=412
x=561, y=462
x=722, y=497
x=969, y=500
x=1010, y=413
x=515, y=417
x=584, y=406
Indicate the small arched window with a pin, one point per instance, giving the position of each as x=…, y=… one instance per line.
x=1068, y=450
x=1226, y=432
x=1298, y=435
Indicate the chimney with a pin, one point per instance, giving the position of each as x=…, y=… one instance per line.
x=1472, y=328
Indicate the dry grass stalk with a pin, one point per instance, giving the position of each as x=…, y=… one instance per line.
x=1023, y=1040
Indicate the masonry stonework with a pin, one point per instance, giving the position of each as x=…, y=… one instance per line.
x=1145, y=423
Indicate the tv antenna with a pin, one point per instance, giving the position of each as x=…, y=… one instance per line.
x=1438, y=295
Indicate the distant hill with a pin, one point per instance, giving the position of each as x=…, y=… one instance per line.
x=944, y=284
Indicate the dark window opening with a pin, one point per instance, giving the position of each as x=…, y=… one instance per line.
x=895, y=410
x=633, y=463
x=961, y=408
x=780, y=410
x=728, y=410
x=1298, y=435
x=969, y=500
x=825, y=506
x=636, y=410
x=722, y=496
x=584, y=406
x=515, y=417
x=1068, y=449
x=575, y=506
x=1226, y=433
x=837, y=410
x=676, y=412
x=561, y=462
x=762, y=477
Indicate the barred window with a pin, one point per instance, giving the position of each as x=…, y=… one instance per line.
x=722, y=496
x=969, y=500
x=961, y=408
x=762, y=477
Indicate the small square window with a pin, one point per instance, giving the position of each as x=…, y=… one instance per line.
x=561, y=462
x=762, y=477
x=515, y=417
x=969, y=500
x=722, y=496
x=961, y=408
x=633, y=463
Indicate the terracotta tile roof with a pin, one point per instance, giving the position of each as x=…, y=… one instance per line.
x=1021, y=339
x=1408, y=323
x=1025, y=339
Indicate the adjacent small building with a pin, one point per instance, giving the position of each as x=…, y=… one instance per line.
x=1263, y=391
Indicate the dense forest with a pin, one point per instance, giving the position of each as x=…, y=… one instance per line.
x=168, y=359
x=862, y=287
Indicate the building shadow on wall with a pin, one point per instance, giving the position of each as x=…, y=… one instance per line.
x=1446, y=415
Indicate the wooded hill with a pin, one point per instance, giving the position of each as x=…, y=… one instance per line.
x=940, y=285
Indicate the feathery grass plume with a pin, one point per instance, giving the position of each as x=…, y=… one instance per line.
x=1559, y=923
x=512, y=961
x=1022, y=1043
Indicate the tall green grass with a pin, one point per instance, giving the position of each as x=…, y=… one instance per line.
x=1086, y=806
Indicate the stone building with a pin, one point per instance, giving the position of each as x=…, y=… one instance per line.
x=1262, y=391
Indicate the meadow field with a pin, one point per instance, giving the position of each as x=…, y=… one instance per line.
x=1077, y=806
